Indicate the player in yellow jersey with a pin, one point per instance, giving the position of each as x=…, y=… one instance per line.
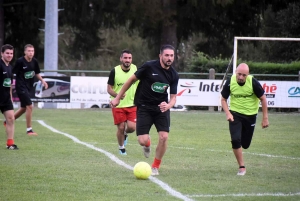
x=245, y=93
x=125, y=113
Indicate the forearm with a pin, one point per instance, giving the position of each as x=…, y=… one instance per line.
x=172, y=101
x=264, y=108
x=225, y=106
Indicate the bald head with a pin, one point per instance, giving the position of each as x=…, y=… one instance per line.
x=242, y=71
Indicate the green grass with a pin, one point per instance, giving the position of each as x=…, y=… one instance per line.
x=199, y=162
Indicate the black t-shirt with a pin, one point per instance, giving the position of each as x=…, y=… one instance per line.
x=154, y=83
x=25, y=72
x=6, y=79
x=257, y=88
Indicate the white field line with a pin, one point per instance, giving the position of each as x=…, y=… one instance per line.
x=247, y=195
x=163, y=185
x=264, y=155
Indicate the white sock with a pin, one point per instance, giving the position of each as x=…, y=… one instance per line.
x=28, y=129
x=122, y=147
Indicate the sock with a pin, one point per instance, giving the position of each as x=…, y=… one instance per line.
x=156, y=163
x=10, y=142
x=148, y=143
x=28, y=129
x=122, y=147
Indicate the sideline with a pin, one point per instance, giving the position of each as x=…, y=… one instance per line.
x=164, y=186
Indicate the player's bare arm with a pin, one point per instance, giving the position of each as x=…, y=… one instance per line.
x=39, y=77
x=265, y=119
x=111, y=92
x=125, y=87
x=224, y=104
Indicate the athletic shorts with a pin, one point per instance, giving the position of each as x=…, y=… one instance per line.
x=242, y=129
x=149, y=115
x=123, y=114
x=24, y=97
x=7, y=107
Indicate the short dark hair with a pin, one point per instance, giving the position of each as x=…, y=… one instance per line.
x=6, y=47
x=28, y=45
x=125, y=51
x=164, y=47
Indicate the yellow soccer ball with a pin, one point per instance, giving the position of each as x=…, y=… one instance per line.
x=142, y=170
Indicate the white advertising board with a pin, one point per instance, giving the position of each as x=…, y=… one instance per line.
x=197, y=92
x=281, y=94
x=89, y=90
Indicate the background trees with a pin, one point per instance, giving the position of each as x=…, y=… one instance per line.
x=95, y=31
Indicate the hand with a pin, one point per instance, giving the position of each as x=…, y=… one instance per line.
x=229, y=117
x=265, y=123
x=163, y=106
x=45, y=84
x=114, y=103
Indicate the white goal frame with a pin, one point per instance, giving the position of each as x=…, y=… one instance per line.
x=237, y=38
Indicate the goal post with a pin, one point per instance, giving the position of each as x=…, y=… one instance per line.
x=272, y=88
x=237, y=38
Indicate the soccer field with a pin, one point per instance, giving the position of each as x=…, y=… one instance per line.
x=75, y=157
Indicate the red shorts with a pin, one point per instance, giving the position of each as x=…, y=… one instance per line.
x=123, y=114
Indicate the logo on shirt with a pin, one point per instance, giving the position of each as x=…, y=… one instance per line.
x=29, y=74
x=4, y=73
x=159, y=87
x=7, y=82
x=24, y=67
x=154, y=74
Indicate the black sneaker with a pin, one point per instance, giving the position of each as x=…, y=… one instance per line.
x=122, y=151
x=12, y=147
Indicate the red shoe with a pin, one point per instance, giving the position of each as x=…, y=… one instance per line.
x=31, y=133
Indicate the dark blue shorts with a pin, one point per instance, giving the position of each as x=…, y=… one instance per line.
x=7, y=107
x=24, y=97
x=147, y=115
x=242, y=129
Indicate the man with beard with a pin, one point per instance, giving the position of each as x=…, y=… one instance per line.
x=152, y=101
x=125, y=113
x=6, y=105
x=245, y=93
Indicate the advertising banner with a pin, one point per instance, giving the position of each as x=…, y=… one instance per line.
x=58, y=90
x=89, y=90
x=280, y=94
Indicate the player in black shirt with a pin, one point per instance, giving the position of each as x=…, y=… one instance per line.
x=152, y=101
x=26, y=68
x=6, y=105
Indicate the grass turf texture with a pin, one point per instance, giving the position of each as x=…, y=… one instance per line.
x=199, y=162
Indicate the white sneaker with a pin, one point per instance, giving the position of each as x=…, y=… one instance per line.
x=154, y=172
x=146, y=151
x=241, y=172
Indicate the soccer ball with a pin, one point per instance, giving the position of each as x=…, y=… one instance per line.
x=142, y=170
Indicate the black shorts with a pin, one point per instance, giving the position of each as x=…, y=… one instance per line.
x=24, y=97
x=149, y=115
x=242, y=129
x=6, y=107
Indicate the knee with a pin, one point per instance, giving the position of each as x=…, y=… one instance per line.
x=245, y=145
x=236, y=144
x=143, y=139
x=163, y=137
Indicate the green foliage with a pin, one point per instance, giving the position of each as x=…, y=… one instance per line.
x=199, y=162
x=201, y=62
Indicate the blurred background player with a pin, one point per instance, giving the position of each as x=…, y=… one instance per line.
x=151, y=99
x=245, y=93
x=125, y=113
x=6, y=105
x=26, y=68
